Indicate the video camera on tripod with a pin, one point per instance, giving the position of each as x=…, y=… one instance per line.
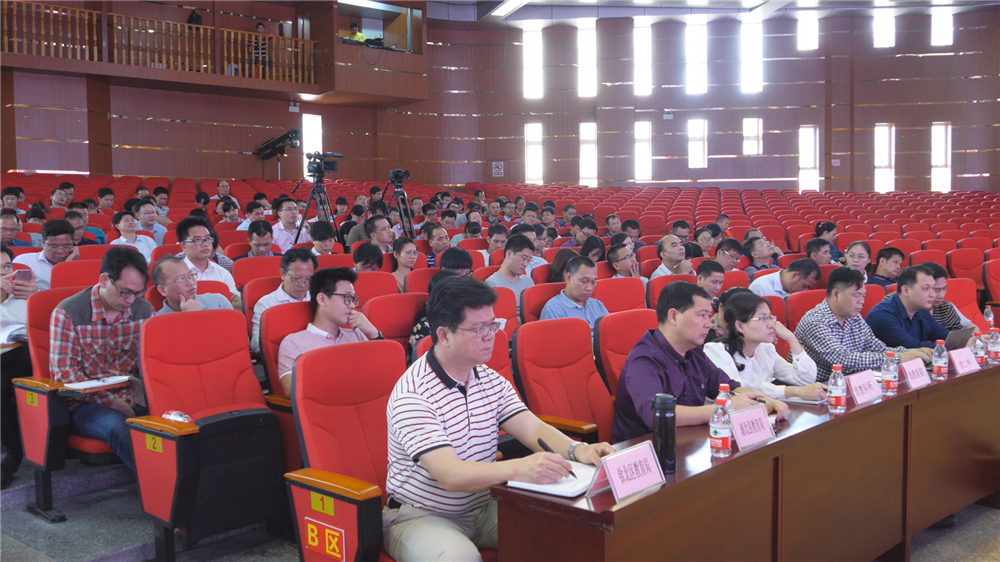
x=318, y=167
x=396, y=178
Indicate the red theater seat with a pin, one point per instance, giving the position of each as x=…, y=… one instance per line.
x=75, y=274
x=533, y=300
x=614, y=337
x=966, y=263
x=623, y=293
x=798, y=304
x=394, y=315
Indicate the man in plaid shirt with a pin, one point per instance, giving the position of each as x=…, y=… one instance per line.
x=95, y=334
x=834, y=333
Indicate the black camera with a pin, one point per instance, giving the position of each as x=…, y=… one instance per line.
x=399, y=175
x=319, y=165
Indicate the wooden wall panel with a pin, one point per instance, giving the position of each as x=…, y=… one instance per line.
x=50, y=113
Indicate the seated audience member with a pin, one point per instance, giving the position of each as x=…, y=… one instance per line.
x=359, y=232
x=623, y=239
x=587, y=228
x=261, y=237
x=888, y=263
x=623, y=260
x=340, y=206
x=574, y=226
x=223, y=192
x=57, y=199
x=614, y=224
x=10, y=226
x=670, y=250
x=105, y=200
x=728, y=253
x=219, y=257
x=195, y=237
x=79, y=228
x=548, y=217
x=334, y=304
x=496, y=235
x=710, y=276
x=36, y=214
x=798, y=276
x=458, y=206
x=669, y=359
x=631, y=227
x=759, y=251
x=230, y=212
x=904, y=320
x=439, y=241
x=828, y=231
x=286, y=228
x=819, y=250
x=15, y=361
x=360, y=199
x=530, y=214
x=517, y=255
x=255, y=212
x=57, y=247
x=575, y=300
x=569, y=211
x=720, y=329
x=430, y=213
x=944, y=312
x=323, y=237
x=162, y=196
x=723, y=222
x=9, y=198
x=748, y=355
x=145, y=213
x=83, y=209
x=421, y=327
x=406, y=254
x=492, y=215
x=509, y=211
x=704, y=239
x=179, y=288
x=559, y=265
x=519, y=205
x=262, y=199
x=297, y=267
x=68, y=192
x=593, y=248
x=456, y=259
x=682, y=230
x=752, y=233
x=367, y=258
x=126, y=225
x=528, y=231
x=448, y=219
x=375, y=193
x=551, y=233
x=107, y=316
x=470, y=231
x=858, y=257
x=444, y=416
x=201, y=199
x=692, y=251
x=379, y=233
x=834, y=333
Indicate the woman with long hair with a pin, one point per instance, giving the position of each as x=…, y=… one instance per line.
x=747, y=353
x=559, y=265
x=406, y=254
x=828, y=231
x=593, y=248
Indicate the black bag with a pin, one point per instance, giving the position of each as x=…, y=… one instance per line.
x=194, y=18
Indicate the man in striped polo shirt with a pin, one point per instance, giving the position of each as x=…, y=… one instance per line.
x=443, y=415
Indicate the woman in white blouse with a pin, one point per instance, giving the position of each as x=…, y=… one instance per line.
x=126, y=224
x=747, y=353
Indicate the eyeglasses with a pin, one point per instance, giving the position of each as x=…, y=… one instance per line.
x=184, y=279
x=625, y=257
x=732, y=255
x=769, y=319
x=524, y=258
x=126, y=294
x=261, y=246
x=61, y=247
x=299, y=280
x=411, y=254
x=484, y=330
x=207, y=241
x=350, y=300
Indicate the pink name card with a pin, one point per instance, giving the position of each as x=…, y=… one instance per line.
x=751, y=426
x=863, y=387
x=962, y=362
x=628, y=472
x=915, y=373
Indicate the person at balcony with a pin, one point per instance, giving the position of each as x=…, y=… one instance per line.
x=259, y=47
x=355, y=34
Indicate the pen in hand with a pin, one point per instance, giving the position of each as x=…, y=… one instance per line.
x=545, y=447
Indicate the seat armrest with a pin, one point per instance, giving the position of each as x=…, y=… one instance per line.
x=584, y=431
x=163, y=425
x=82, y=393
x=279, y=404
x=43, y=384
x=338, y=484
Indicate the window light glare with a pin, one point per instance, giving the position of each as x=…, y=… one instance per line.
x=941, y=157
x=696, y=55
x=809, y=158
x=942, y=26
x=534, y=87
x=533, y=153
x=753, y=135
x=698, y=143
x=808, y=32
x=588, y=154
x=586, y=51
x=751, y=56
x=885, y=157
x=312, y=138
x=642, y=40
x=643, y=151
x=884, y=28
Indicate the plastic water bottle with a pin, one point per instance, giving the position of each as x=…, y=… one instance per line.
x=988, y=315
x=177, y=416
x=939, y=362
x=890, y=374
x=993, y=347
x=724, y=392
x=720, y=432
x=836, y=389
x=979, y=350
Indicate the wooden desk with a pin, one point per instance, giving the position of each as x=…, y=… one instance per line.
x=875, y=475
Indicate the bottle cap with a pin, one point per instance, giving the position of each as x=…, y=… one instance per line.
x=723, y=387
x=837, y=368
x=720, y=401
x=978, y=334
x=995, y=330
x=890, y=354
x=940, y=342
x=664, y=402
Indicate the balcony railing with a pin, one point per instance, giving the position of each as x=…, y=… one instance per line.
x=69, y=33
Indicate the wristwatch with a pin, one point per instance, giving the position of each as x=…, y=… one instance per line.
x=572, y=447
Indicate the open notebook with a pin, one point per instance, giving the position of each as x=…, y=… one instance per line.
x=568, y=487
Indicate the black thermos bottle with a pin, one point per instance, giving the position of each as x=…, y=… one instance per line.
x=665, y=431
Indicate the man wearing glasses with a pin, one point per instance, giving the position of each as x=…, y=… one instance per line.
x=95, y=334
x=334, y=303
x=728, y=253
x=261, y=239
x=179, y=287
x=195, y=238
x=297, y=268
x=57, y=247
x=517, y=254
x=623, y=259
x=444, y=416
x=148, y=217
x=287, y=225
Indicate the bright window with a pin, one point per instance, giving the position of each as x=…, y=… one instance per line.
x=586, y=59
x=885, y=157
x=534, y=85
x=533, y=153
x=696, y=55
x=809, y=158
x=753, y=136
x=751, y=54
x=942, y=26
x=884, y=28
x=312, y=138
x=941, y=157
x=698, y=143
x=808, y=33
x=642, y=39
x=588, y=154
x=643, y=151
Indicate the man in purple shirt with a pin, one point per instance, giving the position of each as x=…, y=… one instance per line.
x=670, y=360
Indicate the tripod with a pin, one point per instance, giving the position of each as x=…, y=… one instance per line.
x=323, y=210
x=405, y=213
